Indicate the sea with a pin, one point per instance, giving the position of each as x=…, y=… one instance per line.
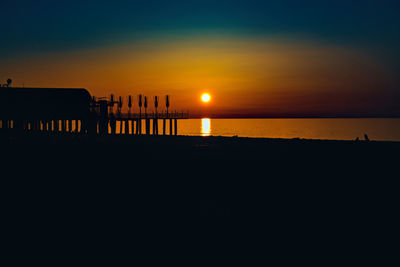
x=382, y=129
x=379, y=129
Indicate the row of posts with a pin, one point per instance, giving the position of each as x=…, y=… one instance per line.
x=108, y=120
x=135, y=126
x=126, y=126
x=44, y=125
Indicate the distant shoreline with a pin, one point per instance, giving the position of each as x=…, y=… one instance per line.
x=292, y=117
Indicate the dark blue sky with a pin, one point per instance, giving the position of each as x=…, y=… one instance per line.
x=34, y=26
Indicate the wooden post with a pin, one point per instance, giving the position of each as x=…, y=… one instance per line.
x=155, y=126
x=176, y=126
x=170, y=126
x=126, y=127
x=135, y=126
x=113, y=124
x=164, y=125
x=63, y=125
x=139, y=126
x=147, y=121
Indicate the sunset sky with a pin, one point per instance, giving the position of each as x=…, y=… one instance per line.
x=255, y=58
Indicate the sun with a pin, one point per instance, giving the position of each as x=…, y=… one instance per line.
x=205, y=97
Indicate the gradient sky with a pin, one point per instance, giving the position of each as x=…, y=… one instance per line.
x=253, y=57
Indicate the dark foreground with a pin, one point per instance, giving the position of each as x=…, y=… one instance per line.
x=320, y=191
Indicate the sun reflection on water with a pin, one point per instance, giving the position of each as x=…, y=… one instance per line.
x=205, y=127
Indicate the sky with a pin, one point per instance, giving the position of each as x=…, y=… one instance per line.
x=255, y=58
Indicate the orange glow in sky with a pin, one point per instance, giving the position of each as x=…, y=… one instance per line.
x=247, y=75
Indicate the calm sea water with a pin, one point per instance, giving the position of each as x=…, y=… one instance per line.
x=344, y=129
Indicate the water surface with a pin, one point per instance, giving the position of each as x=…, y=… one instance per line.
x=343, y=129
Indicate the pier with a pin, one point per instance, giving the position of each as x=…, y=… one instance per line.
x=138, y=124
x=64, y=110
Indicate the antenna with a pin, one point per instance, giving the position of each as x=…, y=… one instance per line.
x=156, y=103
x=145, y=105
x=167, y=103
x=129, y=104
x=119, y=105
x=111, y=104
x=140, y=105
x=120, y=102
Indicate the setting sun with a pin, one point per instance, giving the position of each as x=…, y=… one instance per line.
x=205, y=98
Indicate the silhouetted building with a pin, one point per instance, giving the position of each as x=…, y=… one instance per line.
x=44, y=103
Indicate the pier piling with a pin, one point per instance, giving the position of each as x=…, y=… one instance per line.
x=139, y=126
x=176, y=127
x=155, y=128
x=147, y=126
x=164, y=126
x=132, y=126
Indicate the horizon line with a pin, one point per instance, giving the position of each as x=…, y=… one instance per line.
x=291, y=116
